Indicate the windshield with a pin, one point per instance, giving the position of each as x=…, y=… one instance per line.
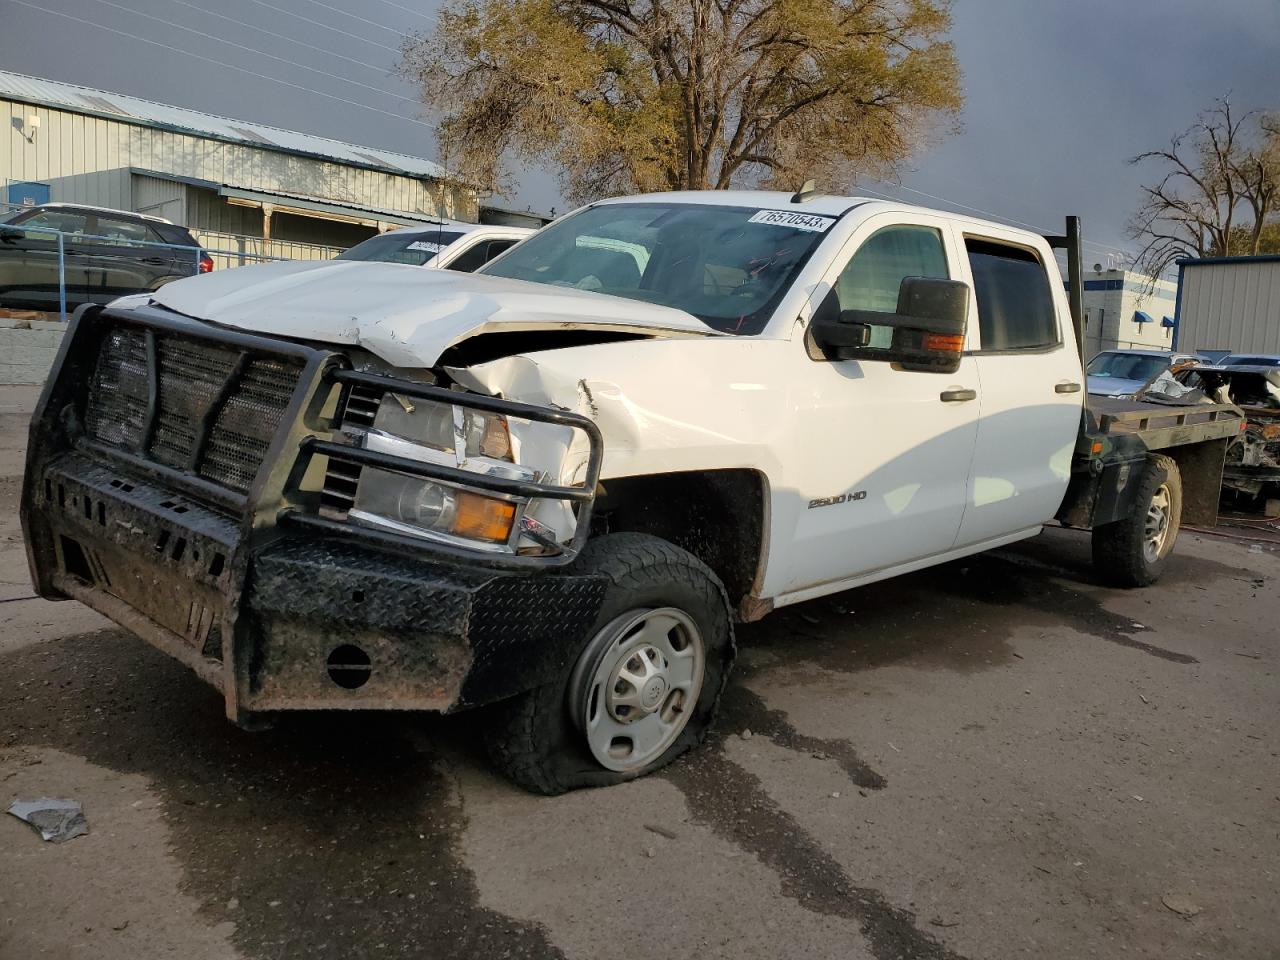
x=1241, y=360
x=414, y=249
x=728, y=266
x=1126, y=366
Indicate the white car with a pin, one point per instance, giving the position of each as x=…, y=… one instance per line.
x=551, y=486
x=449, y=245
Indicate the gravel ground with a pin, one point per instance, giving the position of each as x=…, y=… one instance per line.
x=990, y=759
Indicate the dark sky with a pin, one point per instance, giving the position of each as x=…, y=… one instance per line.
x=1058, y=92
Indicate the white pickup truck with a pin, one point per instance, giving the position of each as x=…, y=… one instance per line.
x=550, y=487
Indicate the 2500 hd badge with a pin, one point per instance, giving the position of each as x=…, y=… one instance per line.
x=843, y=498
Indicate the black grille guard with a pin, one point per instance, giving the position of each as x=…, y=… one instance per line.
x=310, y=427
x=583, y=495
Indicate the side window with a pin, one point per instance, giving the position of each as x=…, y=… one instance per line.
x=1015, y=305
x=123, y=232
x=870, y=280
x=469, y=260
x=64, y=221
x=498, y=246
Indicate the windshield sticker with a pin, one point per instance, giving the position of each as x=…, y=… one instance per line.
x=797, y=221
x=426, y=245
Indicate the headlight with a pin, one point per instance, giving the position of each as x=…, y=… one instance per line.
x=424, y=505
x=461, y=438
x=458, y=430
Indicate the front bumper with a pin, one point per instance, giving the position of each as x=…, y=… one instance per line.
x=279, y=615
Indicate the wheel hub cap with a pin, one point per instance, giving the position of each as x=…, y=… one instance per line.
x=638, y=685
x=635, y=685
x=1157, y=525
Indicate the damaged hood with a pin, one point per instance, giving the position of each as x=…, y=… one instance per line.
x=406, y=315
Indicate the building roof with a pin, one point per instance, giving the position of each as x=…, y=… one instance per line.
x=117, y=106
x=1211, y=261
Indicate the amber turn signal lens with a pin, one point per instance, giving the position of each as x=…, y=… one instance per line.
x=943, y=343
x=483, y=518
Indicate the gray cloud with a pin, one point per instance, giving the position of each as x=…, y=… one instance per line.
x=1059, y=92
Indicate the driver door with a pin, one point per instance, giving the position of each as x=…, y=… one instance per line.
x=883, y=453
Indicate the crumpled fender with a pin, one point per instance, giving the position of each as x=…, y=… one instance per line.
x=662, y=405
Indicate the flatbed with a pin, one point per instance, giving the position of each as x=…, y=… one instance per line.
x=1118, y=435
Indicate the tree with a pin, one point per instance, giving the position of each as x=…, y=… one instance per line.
x=634, y=95
x=1242, y=240
x=1218, y=192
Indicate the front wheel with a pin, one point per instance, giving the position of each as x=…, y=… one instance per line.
x=640, y=691
x=1132, y=552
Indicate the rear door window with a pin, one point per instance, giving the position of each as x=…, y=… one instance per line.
x=122, y=233
x=1015, y=303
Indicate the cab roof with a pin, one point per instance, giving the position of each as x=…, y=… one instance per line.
x=818, y=203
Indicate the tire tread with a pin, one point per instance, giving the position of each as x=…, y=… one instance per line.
x=1117, y=547
x=629, y=561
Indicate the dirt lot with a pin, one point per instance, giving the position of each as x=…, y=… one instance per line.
x=995, y=758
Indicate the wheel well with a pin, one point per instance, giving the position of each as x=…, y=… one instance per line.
x=717, y=515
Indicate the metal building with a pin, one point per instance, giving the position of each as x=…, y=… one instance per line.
x=1229, y=303
x=234, y=184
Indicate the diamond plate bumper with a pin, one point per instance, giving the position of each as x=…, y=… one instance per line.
x=278, y=617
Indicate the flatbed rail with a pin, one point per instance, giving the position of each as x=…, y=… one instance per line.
x=1131, y=425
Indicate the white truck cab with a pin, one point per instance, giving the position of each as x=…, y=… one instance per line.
x=869, y=469
x=552, y=485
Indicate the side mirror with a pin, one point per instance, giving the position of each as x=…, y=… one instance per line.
x=9, y=234
x=926, y=332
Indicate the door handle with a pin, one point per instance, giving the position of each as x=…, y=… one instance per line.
x=958, y=395
x=154, y=261
x=1066, y=386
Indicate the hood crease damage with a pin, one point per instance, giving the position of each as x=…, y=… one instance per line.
x=411, y=316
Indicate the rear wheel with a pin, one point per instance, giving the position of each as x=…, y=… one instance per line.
x=640, y=691
x=1132, y=552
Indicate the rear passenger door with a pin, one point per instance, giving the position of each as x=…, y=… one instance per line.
x=1030, y=389
x=122, y=258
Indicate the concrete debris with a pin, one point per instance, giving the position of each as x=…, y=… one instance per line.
x=660, y=831
x=1180, y=904
x=56, y=820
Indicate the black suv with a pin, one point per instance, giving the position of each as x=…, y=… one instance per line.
x=107, y=254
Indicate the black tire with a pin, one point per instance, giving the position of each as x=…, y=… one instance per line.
x=533, y=738
x=1120, y=553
